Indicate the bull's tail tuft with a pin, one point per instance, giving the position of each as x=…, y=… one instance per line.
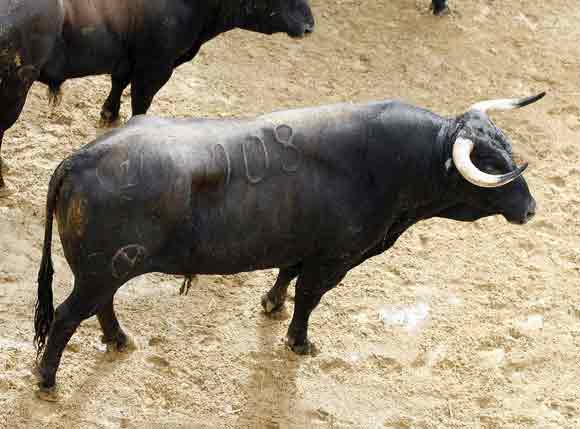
x=44, y=309
x=54, y=94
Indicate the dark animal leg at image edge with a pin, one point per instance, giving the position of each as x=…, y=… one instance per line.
x=113, y=335
x=274, y=299
x=112, y=105
x=310, y=288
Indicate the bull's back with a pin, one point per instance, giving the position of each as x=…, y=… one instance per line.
x=219, y=195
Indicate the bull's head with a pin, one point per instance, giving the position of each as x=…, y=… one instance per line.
x=293, y=17
x=487, y=179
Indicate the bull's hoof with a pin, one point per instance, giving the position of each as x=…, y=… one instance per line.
x=269, y=306
x=121, y=344
x=306, y=348
x=48, y=394
x=44, y=392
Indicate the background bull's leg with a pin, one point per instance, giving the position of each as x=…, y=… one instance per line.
x=145, y=85
x=274, y=299
x=113, y=335
x=312, y=284
x=13, y=92
x=67, y=318
x=112, y=105
x=439, y=7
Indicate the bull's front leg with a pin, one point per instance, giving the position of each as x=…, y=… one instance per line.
x=112, y=105
x=312, y=284
x=274, y=300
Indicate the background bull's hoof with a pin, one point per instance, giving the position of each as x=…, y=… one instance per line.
x=307, y=348
x=48, y=394
x=108, y=120
x=269, y=306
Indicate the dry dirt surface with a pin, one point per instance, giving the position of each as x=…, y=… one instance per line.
x=458, y=326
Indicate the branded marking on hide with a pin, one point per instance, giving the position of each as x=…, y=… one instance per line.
x=122, y=178
x=126, y=167
x=284, y=135
x=126, y=259
x=251, y=178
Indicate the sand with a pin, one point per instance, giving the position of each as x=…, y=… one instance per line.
x=458, y=326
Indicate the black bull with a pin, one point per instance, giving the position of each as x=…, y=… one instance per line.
x=313, y=192
x=137, y=42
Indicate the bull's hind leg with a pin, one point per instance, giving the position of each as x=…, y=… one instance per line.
x=275, y=298
x=313, y=283
x=113, y=335
x=80, y=305
x=112, y=105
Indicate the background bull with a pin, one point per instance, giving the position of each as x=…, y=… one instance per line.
x=137, y=42
x=313, y=192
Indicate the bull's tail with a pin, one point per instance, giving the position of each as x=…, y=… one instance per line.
x=44, y=309
x=54, y=94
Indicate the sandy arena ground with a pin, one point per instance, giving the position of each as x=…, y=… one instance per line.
x=458, y=326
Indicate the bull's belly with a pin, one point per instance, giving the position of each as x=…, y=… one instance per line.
x=236, y=257
x=234, y=247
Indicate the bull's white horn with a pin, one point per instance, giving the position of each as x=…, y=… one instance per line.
x=506, y=103
x=462, y=149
